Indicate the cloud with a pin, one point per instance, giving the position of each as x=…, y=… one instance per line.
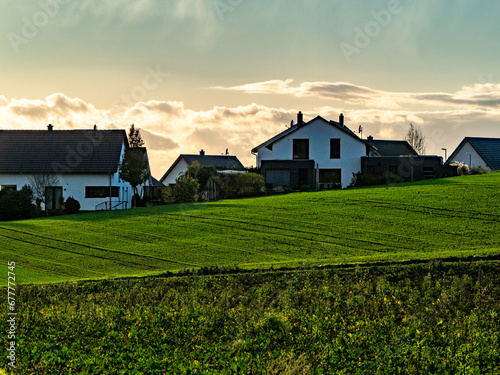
x=169, y=128
x=158, y=142
x=479, y=95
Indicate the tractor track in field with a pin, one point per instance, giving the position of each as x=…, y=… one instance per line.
x=432, y=210
x=88, y=247
x=210, y=221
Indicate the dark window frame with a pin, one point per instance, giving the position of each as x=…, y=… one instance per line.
x=102, y=192
x=297, y=152
x=8, y=187
x=335, y=149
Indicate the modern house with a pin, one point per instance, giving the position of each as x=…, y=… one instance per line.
x=227, y=164
x=83, y=164
x=398, y=160
x=478, y=152
x=318, y=153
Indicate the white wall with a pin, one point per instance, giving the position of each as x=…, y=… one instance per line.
x=319, y=134
x=181, y=166
x=474, y=159
x=74, y=186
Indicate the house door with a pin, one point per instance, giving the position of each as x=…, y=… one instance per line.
x=53, y=195
x=303, y=177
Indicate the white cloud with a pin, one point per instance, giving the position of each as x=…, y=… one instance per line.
x=479, y=95
x=169, y=128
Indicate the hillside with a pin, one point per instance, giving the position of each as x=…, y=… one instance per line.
x=438, y=218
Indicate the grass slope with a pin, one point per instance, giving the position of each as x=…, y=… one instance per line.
x=456, y=216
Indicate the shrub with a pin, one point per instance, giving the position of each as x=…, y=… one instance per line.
x=72, y=205
x=167, y=195
x=16, y=205
x=186, y=188
x=244, y=185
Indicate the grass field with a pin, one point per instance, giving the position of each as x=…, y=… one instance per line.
x=437, y=218
x=433, y=318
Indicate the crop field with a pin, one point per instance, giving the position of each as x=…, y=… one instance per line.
x=432, y=219
x=434, y=318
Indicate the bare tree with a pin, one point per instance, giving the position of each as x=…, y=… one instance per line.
x=416, y=138
x=39, y=184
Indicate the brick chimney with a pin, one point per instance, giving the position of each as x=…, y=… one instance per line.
x=50, y=127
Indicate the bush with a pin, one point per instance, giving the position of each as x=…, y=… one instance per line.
x=16, y=205
x=72, y=205
x=167, y=195
x=366, y=179
x=186, y=189
x=244, y=185
x=465, y=170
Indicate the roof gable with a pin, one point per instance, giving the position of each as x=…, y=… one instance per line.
x=220, y=162
x=61, y=151
x=392, y=147
x=488, y=149
x=296, y=127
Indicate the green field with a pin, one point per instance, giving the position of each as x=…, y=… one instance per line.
x=434, y=318
x=432, y=219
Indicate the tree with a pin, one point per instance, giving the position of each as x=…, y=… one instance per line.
x=17, y=204
x=416, y=138
x=134, y=169
x=134, y=137
x=186, y=188
x=39, y=184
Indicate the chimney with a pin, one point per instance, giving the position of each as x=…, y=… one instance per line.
x=50, y=127
x=95, y=126
x=370, y=138
x=300, y=118
x=202, y=152
x=341, y=119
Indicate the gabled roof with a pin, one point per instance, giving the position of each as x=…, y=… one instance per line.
x=295, y=127
x=391, y=148
x=61, y=151
x=487, y=148
x=220, y=162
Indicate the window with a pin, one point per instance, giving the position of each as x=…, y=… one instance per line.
x=8, y=187
x=330, y=177
x=101, y=191
x=301, y=148
x=53, y=197
x=334, y=148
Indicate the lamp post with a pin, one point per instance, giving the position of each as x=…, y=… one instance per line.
x=445, y=158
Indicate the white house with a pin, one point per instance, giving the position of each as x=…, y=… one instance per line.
x=82, y=163
x=478, y=152
x=223, y=163
x=308, y=154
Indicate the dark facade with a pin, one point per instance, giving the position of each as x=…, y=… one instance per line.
x=297, y=174
x=408, y=168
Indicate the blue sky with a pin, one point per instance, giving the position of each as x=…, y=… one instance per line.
x=214, y=74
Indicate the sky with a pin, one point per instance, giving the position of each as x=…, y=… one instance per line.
x=217, y=74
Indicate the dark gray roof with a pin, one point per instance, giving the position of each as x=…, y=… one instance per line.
x=61, y=151
x=487, y=148
x=220, y=162
x=391, y=148
x=293, y=128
